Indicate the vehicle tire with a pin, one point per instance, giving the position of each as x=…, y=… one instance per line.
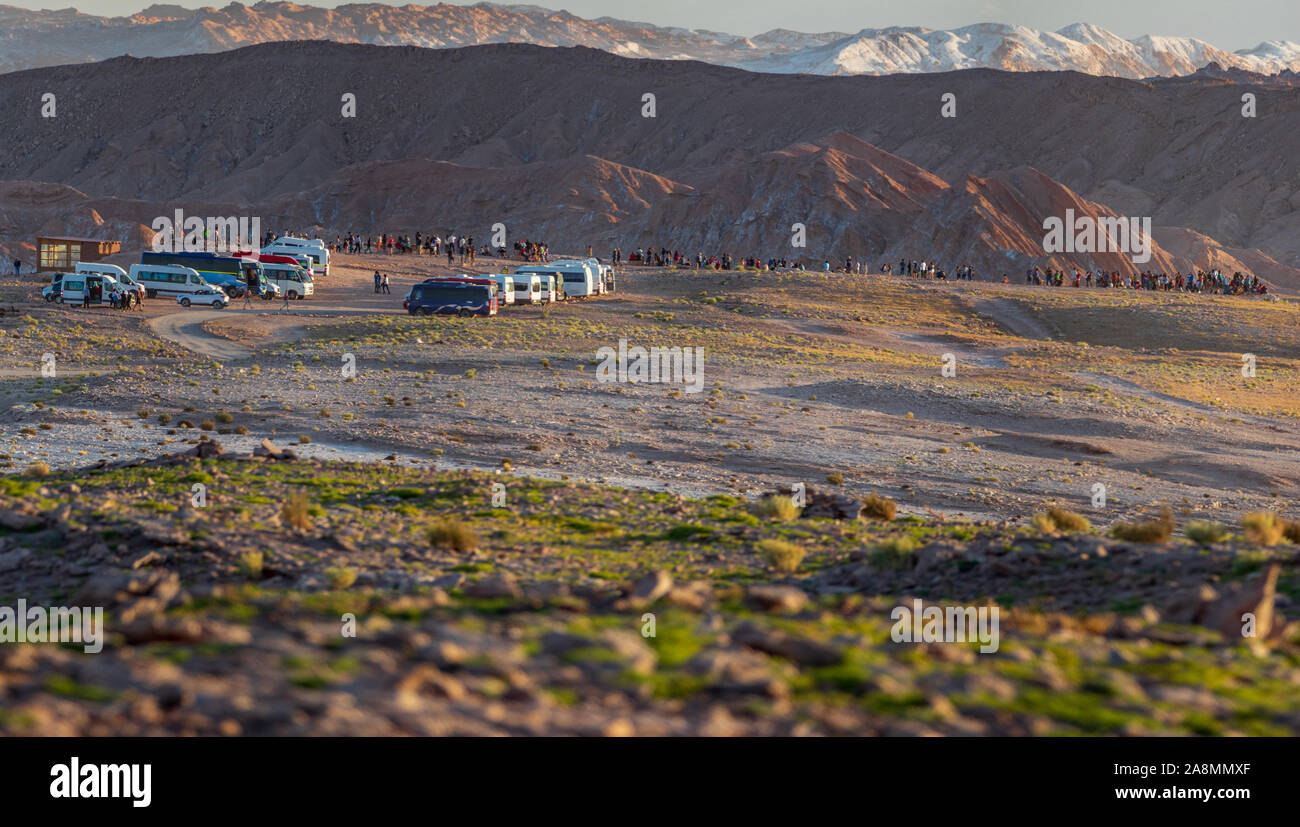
x=60, y=300
x=153, y=294
x=218, y=305
x=423, y=311
x=49, y=297
x=293, y=294
x=464, y=313
x=185, y=302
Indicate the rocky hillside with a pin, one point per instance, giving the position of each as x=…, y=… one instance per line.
x=552, y=143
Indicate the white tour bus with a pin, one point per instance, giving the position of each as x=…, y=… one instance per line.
x=296, y=282
x=313, y=248
x=579, y=279
x=592, y=268
x=169, y=280
x=565, y=287
x=604, y=273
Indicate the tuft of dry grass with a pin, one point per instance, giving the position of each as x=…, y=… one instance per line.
x=781, y=555
x=37, y=470
x=1057, y=519
x=453, y=534
x=777, y=507
x=877, y=507
x=295, y=511
x=1158, y=530
x=1291, y=530
x=1263, y=527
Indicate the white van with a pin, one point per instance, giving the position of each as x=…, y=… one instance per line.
x=169, y=280
x=548, y=294
x=505, y=286
x=528, y=288
x=76, y=287
x=294, y=281
x=313, y=248
x=116, y=272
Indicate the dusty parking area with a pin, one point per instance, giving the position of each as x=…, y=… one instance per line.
x=823, y=379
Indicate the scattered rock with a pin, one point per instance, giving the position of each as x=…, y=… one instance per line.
x=650, y=588
x=208, y=449
x=785, y=599
x=11, y=560
x=803, y=651
x=496, y=586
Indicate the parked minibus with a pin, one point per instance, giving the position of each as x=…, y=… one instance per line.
x=291, y=277
x=76, y=287
x=313, y=248
x=168, y=280
x=548, y=291
x=528, y=288
x=579, y=279
x=459, y=297
x=505, y=287
x=116, y=272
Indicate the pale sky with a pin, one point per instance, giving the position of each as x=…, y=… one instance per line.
x=1228, y=24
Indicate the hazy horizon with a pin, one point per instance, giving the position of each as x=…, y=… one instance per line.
x=1241, y=25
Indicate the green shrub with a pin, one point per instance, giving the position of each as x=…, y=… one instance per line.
x=781, y=555
x=340, y=577
x=250, y=565
x=1206, y=532
x=893, y=552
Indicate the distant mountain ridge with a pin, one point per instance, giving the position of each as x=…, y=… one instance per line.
x=31, y=39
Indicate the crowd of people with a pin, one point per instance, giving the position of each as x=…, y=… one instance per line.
x=1215, y=281
x=454, y=247
x=463, y=248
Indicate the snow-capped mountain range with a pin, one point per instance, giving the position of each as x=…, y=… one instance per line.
x=45, y=38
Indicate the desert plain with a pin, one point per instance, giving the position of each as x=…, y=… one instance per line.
x=471, y=532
